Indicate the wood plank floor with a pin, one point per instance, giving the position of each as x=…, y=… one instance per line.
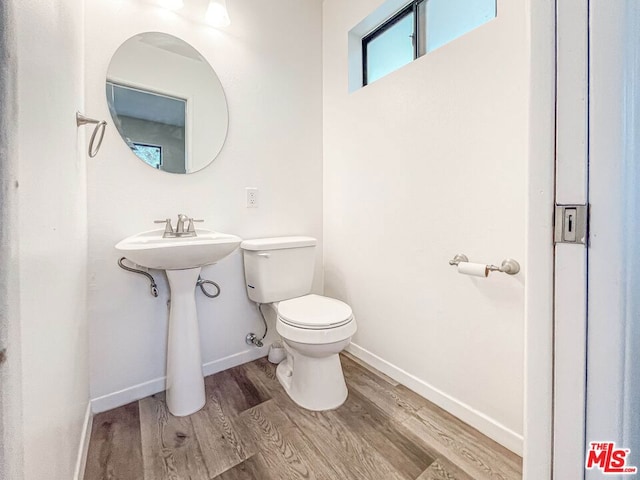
x=251, y=430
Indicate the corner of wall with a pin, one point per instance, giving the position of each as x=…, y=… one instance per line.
x=11, y=454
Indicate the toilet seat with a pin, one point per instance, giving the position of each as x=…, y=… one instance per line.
x=314, y=312
x=315, y=320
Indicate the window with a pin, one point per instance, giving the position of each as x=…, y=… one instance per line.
x=416, y=29
x=151, y=154
x=390, y=46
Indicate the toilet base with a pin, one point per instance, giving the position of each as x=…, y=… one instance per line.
x=314, y=382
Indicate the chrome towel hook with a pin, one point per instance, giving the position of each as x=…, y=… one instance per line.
x=101, y=126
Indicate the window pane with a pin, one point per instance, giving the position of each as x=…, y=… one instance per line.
x=450, y=19
x=151, y=154
x=391, y=49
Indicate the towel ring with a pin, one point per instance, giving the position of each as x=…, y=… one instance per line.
x=100, y=125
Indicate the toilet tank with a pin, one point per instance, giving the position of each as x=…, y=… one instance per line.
x=278, y=268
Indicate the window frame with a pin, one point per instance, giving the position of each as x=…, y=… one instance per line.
x=413, y=8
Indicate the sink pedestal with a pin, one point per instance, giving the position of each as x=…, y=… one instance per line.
x=181, y=257
x=185, y=381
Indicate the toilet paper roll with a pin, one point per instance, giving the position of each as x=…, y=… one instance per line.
x=473, y=269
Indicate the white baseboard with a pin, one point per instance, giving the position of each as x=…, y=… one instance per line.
x=234, y=360
x=83, y=448
x=485, y=424
x=146, y=389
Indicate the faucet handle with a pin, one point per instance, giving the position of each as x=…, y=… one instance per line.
x=168, y=228
x=191, y=228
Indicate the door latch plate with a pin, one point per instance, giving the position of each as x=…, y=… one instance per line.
x=571, y=224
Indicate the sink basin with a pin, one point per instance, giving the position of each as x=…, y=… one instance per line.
x=149, y=249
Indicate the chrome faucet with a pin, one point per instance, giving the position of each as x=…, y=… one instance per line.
x=180, y=226
x=169, y=232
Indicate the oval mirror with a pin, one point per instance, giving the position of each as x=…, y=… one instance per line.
x=167, y=103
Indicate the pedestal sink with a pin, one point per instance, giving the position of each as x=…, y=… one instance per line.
x=182, y=258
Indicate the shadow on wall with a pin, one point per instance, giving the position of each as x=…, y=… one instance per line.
x=10, y=433
x=337, y=289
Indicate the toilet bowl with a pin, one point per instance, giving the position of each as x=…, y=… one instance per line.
x=314, y=328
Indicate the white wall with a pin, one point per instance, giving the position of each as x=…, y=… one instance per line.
x=273, y=87
x=52, y=235
x=423, y=164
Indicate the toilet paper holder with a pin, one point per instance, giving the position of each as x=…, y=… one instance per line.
x=508, y=266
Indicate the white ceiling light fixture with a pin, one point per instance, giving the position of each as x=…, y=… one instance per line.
x=217, y=14
x=171, y=4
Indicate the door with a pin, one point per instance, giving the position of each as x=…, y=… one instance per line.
x=613, y=339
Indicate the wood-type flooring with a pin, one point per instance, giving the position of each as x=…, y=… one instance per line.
x=251, y=430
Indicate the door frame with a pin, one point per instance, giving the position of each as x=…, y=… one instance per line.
x=571, y=260
x=539, y=275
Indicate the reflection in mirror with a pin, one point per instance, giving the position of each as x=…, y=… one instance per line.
x=167, y=103
x=154, y=125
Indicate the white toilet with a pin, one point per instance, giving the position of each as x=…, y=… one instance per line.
x=315, y=329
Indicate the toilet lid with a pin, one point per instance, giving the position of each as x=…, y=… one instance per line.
x=314, y=312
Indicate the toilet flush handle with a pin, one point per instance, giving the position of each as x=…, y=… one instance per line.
x=265, y=255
